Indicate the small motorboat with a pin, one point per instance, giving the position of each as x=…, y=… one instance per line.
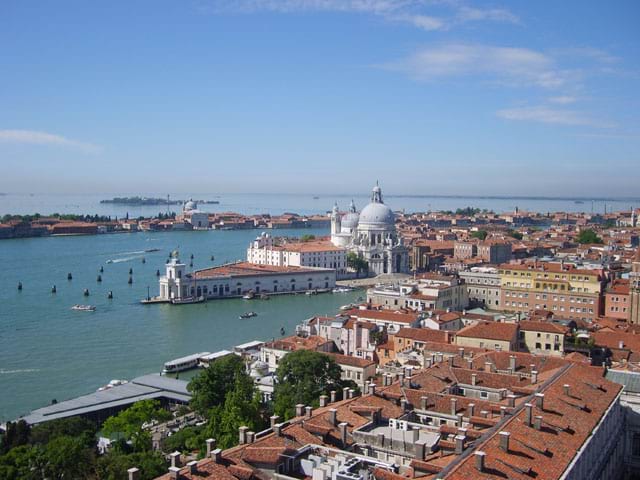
x=347, y=307
x=149, y=250
x=248, y=315
x=84, y=308
x=264, y=296
x=341, y=290
x=249, y=296
x=311, y=292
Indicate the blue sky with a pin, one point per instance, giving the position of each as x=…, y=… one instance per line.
x=441, y=96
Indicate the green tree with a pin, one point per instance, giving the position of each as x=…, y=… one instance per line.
x=74, y=427
x=357, y=263
x=588, y=236
x=67, y=458
x=128, y=423
x=515, y=234
x=209, y=388
x=307, y=238
x=302, y=376
x=481, y=234
x=16, y=434
x=114, y=465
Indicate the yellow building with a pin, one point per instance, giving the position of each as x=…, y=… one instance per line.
x=565, y=290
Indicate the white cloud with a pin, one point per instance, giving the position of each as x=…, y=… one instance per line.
x=545, y=114
x=419, y=13
x=32, y=137
x=510, y=65
x=562, y=99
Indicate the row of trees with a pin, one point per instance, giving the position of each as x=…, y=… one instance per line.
x=66, y=449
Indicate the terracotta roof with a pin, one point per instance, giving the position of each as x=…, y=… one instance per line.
x=547, y=327
x=423, y=334
x=240, y=269
x=351, y=361
x=490, y=330
x=384, y=315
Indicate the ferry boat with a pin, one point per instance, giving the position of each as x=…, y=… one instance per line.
x=248, y=315
x=84, y=308
x=183, y=363
x=187, y=300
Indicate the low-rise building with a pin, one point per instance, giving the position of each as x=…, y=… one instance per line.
x=491, y=335
x=483, y=286
x=545, y=338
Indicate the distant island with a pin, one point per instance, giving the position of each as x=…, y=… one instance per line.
x=138, y=201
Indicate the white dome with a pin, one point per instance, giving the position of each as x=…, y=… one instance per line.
x=190, y=205
x=377, y=214
x=350, y=220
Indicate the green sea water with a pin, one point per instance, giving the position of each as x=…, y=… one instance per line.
x=48, y=351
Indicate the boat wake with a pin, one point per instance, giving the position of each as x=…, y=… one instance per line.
x=126, y=259
x=18, y=370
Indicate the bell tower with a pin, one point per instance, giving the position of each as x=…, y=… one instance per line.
x=634, y=289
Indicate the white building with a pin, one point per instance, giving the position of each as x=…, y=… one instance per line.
x=315, y=253
x=190, y=214
x=371, y=235
x=240, y=278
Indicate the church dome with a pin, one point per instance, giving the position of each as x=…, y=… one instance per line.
x=350, y=220
x=190, y=205
x=376, y=214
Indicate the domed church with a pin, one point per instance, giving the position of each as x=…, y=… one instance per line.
x=371, y=234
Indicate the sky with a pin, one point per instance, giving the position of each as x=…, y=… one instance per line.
x=439, y=97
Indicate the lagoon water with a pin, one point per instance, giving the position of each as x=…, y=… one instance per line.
x=48, y=351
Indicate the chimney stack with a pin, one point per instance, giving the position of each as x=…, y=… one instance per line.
x=503, y=411
x=454, y=406
x=345, y=393
x=512, y=363
x=216, y=455
x=175, y=459
x=450, y=360
x=211, y=444
x=527, y=419
x=480, y=460
x=511, y=400
x=343, y=433
x=567, y=389
x=488, y=367
x=534, y=376
x=470, y=363
x=474, y=378
x=273, y=419
x=419, y=449
x=540, y=400
x=424, y=401
x=333, y=416
x=323, y=400
x=621, y=344
x=243, y=434
x=404, y=404
x=251, y=436
x=277, y=429
x=174, y=473
x=308, y=411
x=537, y=422
x=193, y=466
x=460, y=444
x=504, y=441
x=372, y=388
x=351, y=393
x=299, y=410
x=472, y=407
x=461, y=352
x=134, y=473
x=333, y=394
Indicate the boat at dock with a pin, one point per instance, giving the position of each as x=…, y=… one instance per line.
x=188, y=300
x=183, y=363
x=249, y=296
x=84, y=308
x=348, y=306
x=248, y=315
x=342, y=290
x=311, y=292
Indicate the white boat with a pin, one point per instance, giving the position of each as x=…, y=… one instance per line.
x=248, y=315
x=84, y=308
x=183, y=363
x=311, y=292
x=187, y=300
x=347, y=307
x=342, y=290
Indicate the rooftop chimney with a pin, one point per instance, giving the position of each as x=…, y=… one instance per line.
x=299, y=410
x=540, y=400
x=460, y=444
x=175, y=459
x=488, y=367
x=503, y=411
x=324, y=399
x=537, y=422
x=567, y=389
x=511, y=400
x=404, y=404
x=216, y=455
x=372, y=388
x=461, y=352
x=484, y=413
x=333, y=416
x=470, y=363
x=474, y=378
x=273, y=419
x=308, y=411
x=534, y=376
x=333, y=394
x=419, y=449
x=424, y=401
x=345, y=393
x=174, y=473
x=134, y=473
x=471, y=407
x=251, y=436
x=343, y=433
x=480, y=460
x=193, y=466
x=621, y=344
x=277, y=429
x=512, y=363
x=527, y=418
x=351, y=393
x=211, y=444
x=454, y=406
x=243, y=434
x=504, y=441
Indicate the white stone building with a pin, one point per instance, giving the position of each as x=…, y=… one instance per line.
x=371, y=235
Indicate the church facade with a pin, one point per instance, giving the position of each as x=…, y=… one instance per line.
x=372, y=235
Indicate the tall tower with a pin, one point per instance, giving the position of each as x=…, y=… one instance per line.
x=335, y=220
x=634, y=289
